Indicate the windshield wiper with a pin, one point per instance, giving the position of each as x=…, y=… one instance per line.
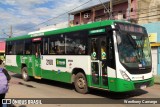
x=132, y=41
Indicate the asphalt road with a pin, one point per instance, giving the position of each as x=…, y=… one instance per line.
x=52, y=89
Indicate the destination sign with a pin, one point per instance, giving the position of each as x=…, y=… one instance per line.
x=97, y=31
x=36, y=39
x=129, y=28
x=37, y=34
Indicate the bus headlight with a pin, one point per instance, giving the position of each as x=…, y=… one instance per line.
x=125, y=76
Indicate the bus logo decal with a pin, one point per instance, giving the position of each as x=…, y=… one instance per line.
x=61, y=62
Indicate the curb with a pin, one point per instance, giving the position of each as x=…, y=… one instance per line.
x=157, y=79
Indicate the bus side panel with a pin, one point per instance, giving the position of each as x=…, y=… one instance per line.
x=11, y=63
x=12, y=69
x=57, y=75
x=60, y=68
x=14, y=63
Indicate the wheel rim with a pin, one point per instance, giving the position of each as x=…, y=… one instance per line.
x=24, y=74
x=81, y=83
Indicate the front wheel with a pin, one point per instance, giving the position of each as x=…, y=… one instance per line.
x=80, y=83
x=25, y=75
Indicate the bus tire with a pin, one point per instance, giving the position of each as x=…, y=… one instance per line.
x=80, y=83
x=25, y=75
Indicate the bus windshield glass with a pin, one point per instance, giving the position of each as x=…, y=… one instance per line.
x=134, y=49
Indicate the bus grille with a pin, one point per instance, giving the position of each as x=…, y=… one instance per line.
x=138, y=85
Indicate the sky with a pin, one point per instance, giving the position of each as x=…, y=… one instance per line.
x=27, y=15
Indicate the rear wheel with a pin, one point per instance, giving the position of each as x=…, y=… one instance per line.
x=80, y=83
x=25, y=75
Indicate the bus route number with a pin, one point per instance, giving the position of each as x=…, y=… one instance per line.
x=49, y=62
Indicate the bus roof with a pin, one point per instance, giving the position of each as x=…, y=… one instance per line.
x=65, y=30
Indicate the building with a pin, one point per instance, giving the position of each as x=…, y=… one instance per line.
x=2, y=49
x=149, y=17
x=148, y=11
x=154, y=35
x=114, y=9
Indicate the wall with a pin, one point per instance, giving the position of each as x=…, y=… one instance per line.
x=120, y=7
x=154, y=52
x=99, y=13
x=159, y=60
x=155, y=28
x=134, y=5
x=148, y=11
x=76, y=20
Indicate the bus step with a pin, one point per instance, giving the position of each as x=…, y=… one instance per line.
x=37, y=77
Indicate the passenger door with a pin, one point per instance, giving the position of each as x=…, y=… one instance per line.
x=98, y=52
x=36, y=58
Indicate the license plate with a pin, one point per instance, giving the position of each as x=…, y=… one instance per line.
x=143, y=86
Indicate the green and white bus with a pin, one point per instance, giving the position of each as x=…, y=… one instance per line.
x=109, y=55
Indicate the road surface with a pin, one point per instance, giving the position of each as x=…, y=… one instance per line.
x=52, y=89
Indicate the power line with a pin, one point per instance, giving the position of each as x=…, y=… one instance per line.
x=144, y=16
x=146, y=13
x=109, y=12
x=56, y=16
x=136, y=10
x=124, y=11
x=78, y=7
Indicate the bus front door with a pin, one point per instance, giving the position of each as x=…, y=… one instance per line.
x=36, y=60
x=98, y=53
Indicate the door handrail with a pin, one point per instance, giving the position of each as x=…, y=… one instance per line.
x=95, y=61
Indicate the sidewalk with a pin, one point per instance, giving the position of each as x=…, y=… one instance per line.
x=157, y=79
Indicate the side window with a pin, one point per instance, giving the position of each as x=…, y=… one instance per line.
x=52, y=45
x=75, y=43
x=45, y=46
x=20, y=47
x=57, y=44
x=11, y=48
x=8, y=48
x=70, y=44
x=28, y=47
x=94, y=48
x=103, y=46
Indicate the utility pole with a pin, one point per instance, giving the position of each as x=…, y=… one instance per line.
x=10, y=31
x=108, y=9
x=69, y=24
x=129, y=9
x=111, y=10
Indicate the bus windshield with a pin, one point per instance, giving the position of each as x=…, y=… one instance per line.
x=134, y=49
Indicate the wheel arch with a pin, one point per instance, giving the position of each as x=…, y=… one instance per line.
x=75, y=71
x=24, y=70
x=23, y=65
